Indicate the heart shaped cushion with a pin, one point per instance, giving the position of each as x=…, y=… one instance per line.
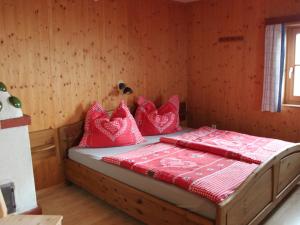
x=102, y=131
x=153, y=121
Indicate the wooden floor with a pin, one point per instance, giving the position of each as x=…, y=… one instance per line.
x=80, y=208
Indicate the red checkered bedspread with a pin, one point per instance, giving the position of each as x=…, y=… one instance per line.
x=214, y=173
x=230, y=144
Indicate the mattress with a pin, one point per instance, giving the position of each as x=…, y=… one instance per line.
x=91, y=157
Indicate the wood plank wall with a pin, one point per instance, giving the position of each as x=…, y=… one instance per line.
x=58, y=56
x=225, y=79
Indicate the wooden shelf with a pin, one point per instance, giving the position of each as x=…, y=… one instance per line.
x=31, y=220
x=231, y=38
x=15, y=122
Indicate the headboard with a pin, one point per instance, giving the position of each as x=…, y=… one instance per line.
x=70, y=135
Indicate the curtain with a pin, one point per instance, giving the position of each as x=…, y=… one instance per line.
x=274, y=67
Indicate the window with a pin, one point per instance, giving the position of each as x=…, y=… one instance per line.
x=292, y=81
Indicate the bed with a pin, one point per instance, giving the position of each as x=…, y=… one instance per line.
x=91, y=158
x=250, y=204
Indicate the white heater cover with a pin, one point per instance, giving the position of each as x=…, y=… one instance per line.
x=8, y=110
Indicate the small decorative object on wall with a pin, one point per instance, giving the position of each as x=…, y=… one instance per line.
x=1, y=106
x=124, y=89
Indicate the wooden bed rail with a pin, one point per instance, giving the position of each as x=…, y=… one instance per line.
x=262, y=191
x=69, y=136
x=135, y=203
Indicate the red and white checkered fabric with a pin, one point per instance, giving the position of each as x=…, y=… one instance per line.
x=208, y=175
x=230, y=144
x=213, y=174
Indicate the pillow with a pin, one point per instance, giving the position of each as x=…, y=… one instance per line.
x=102, y=131
x=152, y=121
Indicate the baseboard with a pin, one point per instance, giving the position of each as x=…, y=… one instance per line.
x=34, y=211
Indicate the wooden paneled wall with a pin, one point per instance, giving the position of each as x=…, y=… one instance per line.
x=225, y=79
x=58, y=56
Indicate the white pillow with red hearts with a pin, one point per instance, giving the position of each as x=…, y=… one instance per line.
x=153, y=121
x=100, y=130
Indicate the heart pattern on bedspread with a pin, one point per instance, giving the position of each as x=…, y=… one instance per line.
x=177, y=163
x=208, y=162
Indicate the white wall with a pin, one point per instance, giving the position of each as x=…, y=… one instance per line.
x=16, y=165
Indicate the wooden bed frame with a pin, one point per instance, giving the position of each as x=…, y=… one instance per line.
x=249, y=205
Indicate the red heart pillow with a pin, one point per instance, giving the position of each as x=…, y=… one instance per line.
x=152, y=121
x=102, y=131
